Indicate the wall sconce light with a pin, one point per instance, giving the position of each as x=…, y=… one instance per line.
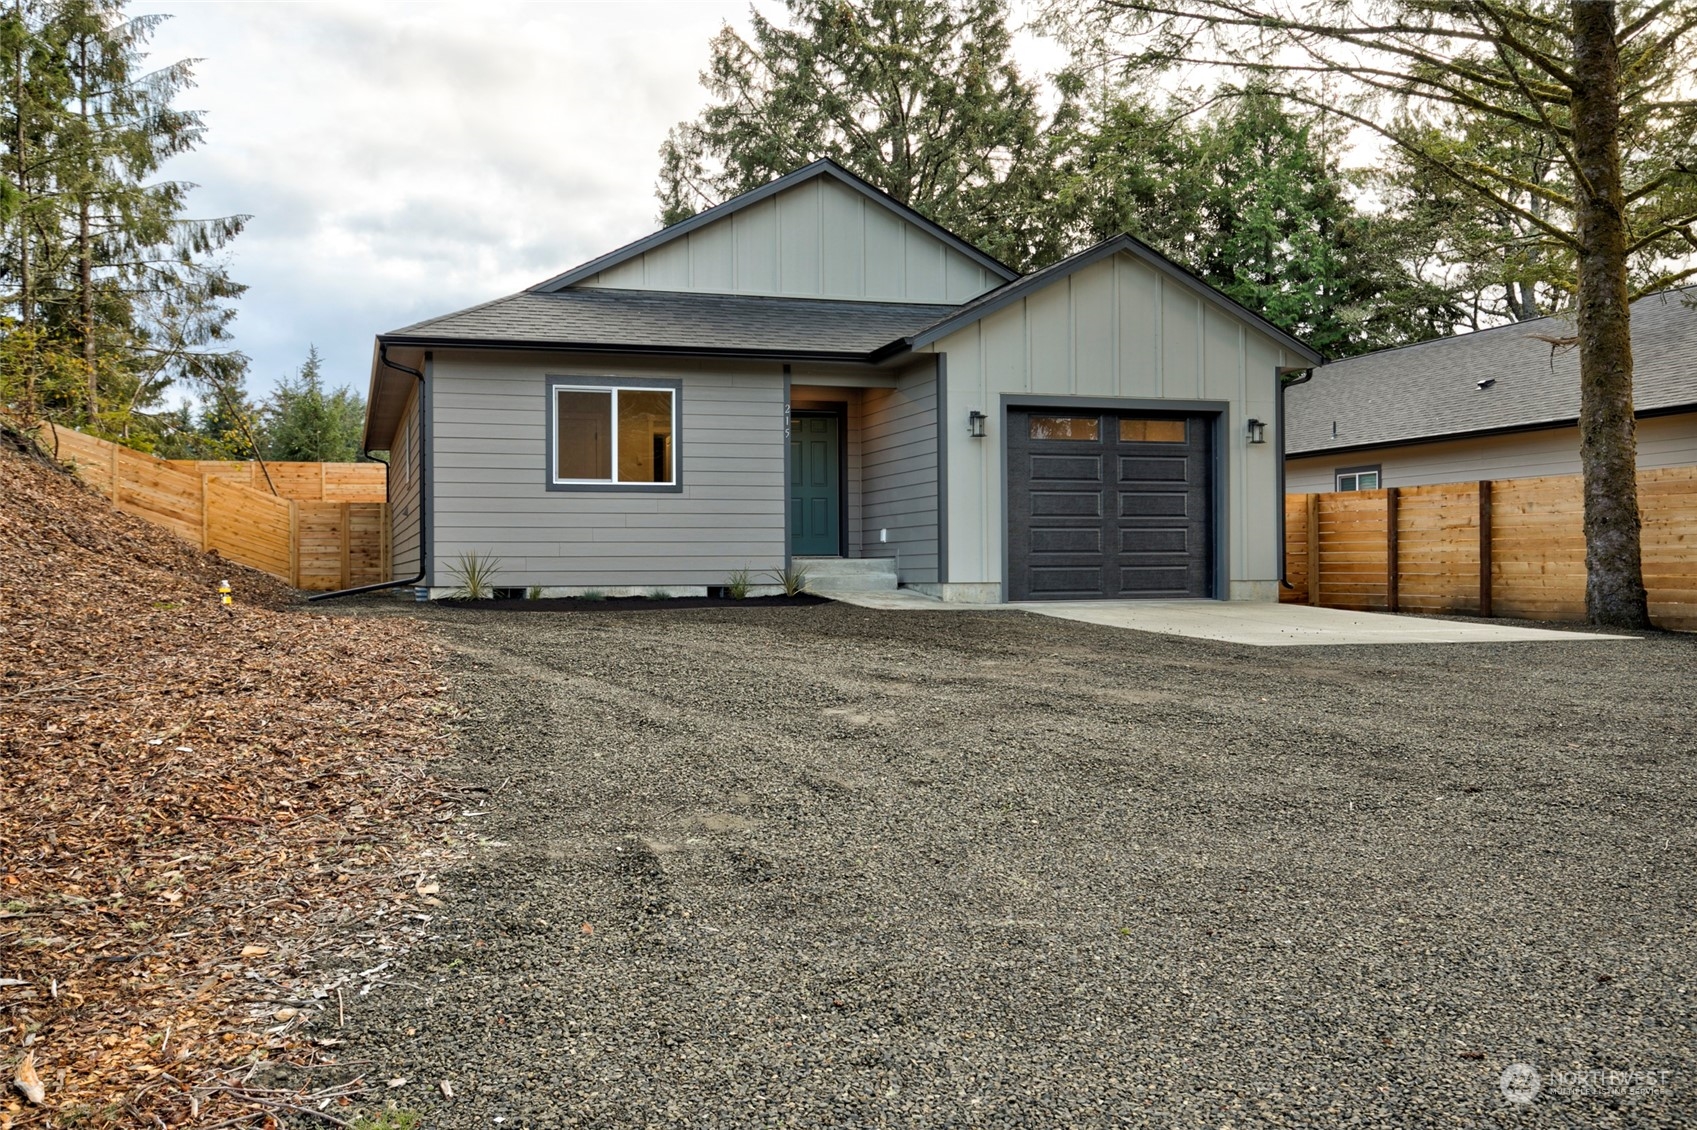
x=975, y=421
x=1256, y=431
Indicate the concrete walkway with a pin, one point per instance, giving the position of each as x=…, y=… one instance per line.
x=1243, y=622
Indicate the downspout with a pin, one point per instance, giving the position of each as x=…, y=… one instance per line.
x=1289, y=376
x=423, y=538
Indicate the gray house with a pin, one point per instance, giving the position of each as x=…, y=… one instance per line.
x=1502, y=403
x=813, y=371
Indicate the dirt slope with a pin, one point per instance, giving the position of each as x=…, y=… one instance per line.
x=191, y=802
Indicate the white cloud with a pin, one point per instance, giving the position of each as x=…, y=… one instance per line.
x=403, y=160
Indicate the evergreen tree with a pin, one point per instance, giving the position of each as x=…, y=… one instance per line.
x=920, y=98
x=306, y=423
x=99, y=259
x=1605, y=88
x=1253, y=200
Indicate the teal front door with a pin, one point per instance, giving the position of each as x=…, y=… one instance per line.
x=815, y=485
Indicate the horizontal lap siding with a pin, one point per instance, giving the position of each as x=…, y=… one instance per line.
x=899, y=474
x=406, y=504
x=1663, y=441
x=489, y=463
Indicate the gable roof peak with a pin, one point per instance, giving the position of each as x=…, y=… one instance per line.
x=991, y=301
x=823, y=167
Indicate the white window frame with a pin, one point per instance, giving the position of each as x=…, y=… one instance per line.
x=1354, y=475
x=557, y=386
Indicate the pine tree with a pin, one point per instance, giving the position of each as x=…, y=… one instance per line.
x=99, y=258
x=1250, y=196
x=304, y=422
x=920, y=98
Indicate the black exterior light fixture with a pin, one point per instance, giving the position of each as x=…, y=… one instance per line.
x=1256, y=430
x=975, y=421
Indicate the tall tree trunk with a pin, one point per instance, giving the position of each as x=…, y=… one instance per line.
x=20, y=151
x=85, y=243
x=1608, y=446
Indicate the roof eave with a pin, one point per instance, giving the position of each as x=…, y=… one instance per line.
x=1480, y=433
x=629, y=348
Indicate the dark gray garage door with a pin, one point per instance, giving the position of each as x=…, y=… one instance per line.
x=1108, y=505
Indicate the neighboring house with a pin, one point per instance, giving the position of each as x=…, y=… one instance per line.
x=1501, y=403
x=814, y=371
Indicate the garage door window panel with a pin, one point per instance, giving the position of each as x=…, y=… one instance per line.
x=1079, y=429
x=1139, y=430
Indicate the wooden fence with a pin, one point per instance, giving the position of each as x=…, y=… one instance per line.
x=326, y=527
x=303, y=482
x=1511, y=547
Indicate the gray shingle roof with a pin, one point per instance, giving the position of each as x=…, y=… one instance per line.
x=1431, y=390
x=668, y=320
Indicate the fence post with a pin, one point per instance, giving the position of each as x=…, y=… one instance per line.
x=115, y=473
x=1314, y=549
x=205, y=535
x=294, y=545
x=347, y=543
x=1391, y=562
x=1484, y=547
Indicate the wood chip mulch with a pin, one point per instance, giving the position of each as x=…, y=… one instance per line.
x=208, y=819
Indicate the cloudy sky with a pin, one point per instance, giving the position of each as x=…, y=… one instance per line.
x=401, y=160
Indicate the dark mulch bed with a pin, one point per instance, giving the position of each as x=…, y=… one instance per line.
x=634, y=603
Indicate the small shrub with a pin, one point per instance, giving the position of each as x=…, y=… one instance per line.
x=476, y=574
x=738, y=584
x=394, y=1118
x=656, y=594
x=534, y=592
x=592, y=594
x=792, y=580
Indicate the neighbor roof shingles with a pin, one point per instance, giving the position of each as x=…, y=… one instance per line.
x=1430, y=390
x=590, y=316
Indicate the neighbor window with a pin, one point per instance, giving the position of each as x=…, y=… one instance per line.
x=1066, y=427
x=614, y=436
x=1359, y=478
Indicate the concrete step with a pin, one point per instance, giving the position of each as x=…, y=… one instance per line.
x=849, y=574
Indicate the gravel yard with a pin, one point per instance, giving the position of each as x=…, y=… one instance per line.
x=832, y=866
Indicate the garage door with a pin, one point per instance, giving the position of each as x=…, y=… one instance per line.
x=1108, y=506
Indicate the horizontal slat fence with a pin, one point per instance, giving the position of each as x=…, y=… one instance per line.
x=251, y=528
x=342, y=544
x=303, y=482
x=1510, y=547
x=326, y=526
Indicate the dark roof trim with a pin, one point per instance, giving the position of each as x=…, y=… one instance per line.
x=995, y=300
x=625, y=348
x=1480, y=433
x=822, y=167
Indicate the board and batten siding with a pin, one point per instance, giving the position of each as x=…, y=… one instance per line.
x=1663, y=441
x=406, y=497
x=899, y=475
x=489, y=464
x=1116, y=328
x=819, y=239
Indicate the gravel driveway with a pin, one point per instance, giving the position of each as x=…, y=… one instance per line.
x=833, y=866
